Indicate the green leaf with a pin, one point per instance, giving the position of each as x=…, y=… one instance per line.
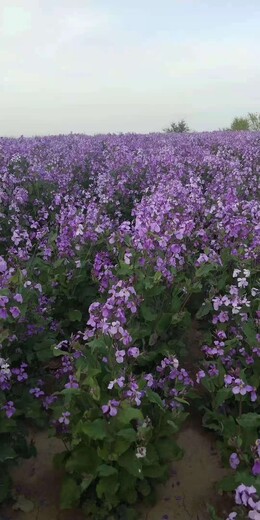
x=86, y=482
x=175, y=427
x=247, y=478
x=228, y=483
x=144, y=488
x=131, y=463
x=164, y=323
x=249, y=420
x=154, y=398
x=107, y=486
x=97, y=343
x=250, y=333
x=70, y=493
x=83, y=459
x=95, y=430
x=155, y=471
x=204, y=310
x=127, y=433
x=147, y=313
x=168, y=449
x=126, y=415
x=222, y=395
x=105, y=470
x=178, y=317
x=6, y=452
x=75, y=315
x=176, y=303
x=204, y=270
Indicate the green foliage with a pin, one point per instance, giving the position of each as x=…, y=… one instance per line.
x=254, y=121
x=179, y=127
x=240, y=123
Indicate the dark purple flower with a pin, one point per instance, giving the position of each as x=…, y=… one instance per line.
x=37, y=392
x=256, y=467
x=9, y=409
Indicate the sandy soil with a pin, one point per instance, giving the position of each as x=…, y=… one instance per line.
x=184, y=497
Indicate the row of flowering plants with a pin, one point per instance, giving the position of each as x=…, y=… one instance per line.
x=123, y=401
x=113, y=250
x=229, y=375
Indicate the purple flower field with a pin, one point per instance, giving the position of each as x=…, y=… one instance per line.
x=113, y=249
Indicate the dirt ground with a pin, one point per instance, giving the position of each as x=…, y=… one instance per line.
x=184, y=497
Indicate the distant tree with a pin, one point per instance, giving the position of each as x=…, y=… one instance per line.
x=178, y=128
x=254, y=121
x=240, y=123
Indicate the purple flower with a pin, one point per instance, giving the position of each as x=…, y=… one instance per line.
x=37, y=392
x=3, y=314
x=234, y=460
x=49, y=400
x=223, y=316
x=241, y=388
x=231, y=516
x=120, y=354
x=244, y=493
x=3, y=265
x=120, y=382
x=228, y=379
x=64, y=419
x=3, y=300
x=256, y=467
x=111, y=407
x=254, y=515
x=18, y=298
x=72, y=383
x=150, y=380
x=133, y=352
x=15, y=312
x=200, y=375
x=9, y=409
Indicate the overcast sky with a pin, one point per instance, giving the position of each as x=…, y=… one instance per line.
x=126, y=65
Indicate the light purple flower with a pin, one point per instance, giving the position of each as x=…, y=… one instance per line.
x=120, y=382
x=111, y=407
x=234, y=460
x=18, y=298
x=3, y=300
x=120, y=354
x=64, y=419
x=72, y=383
x=200, y=375
x=133, y=352
x=3, y=265
x=244, y=493
x=15, y=312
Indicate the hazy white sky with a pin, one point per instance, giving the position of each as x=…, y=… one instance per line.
x=126, y=65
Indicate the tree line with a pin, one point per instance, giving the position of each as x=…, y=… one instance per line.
x=251, y=123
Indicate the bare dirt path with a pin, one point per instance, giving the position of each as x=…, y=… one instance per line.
x=184, y=497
